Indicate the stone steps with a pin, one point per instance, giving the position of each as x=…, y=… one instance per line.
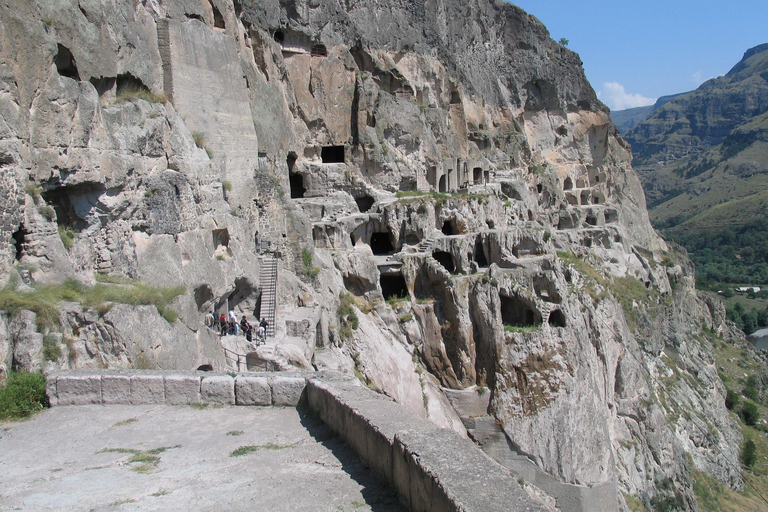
x=268, y=281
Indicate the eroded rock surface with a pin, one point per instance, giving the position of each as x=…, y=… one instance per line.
x=449, y=205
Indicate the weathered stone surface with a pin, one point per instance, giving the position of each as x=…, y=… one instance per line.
x=147, y=388
x=182, y=388
x=287, y=390
x=78, y=388
x=116, y=388
x=253, y=390
x=218, y=389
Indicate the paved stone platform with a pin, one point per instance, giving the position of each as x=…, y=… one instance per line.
x=160, y=457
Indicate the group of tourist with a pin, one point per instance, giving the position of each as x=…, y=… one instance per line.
x=228, y=325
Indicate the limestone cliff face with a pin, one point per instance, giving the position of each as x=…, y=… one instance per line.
x=447, y=155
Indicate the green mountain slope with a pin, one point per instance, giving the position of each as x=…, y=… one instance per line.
x=703, y=159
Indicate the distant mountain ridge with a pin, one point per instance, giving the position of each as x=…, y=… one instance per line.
x=628, y=118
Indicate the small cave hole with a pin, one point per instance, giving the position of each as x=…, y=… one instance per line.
x=332, y=154
x=585, y=197
x=319, y=50
x=297, y=185
x=203, y=297
x=127, y=84
x=352, y=239
x=516, y=312
x=596, y=200
x=591, y=220
x=279, y=36
x=412, y=239
x=205, y=368
x=455, y=96
x=490, y=224
x=568, y=184
x=20, y=239
x=441, y=187
x=539, y=188
x=611, y=216
x=393, y=285
x=477, y=175
x=556, y=318
x=381, y=243
x=65, y=63
x=218, y=19
x=480, y=258
x=364, y=203
x=446, y=260
x=449, y=227
x=220, y=237
x=355, y=285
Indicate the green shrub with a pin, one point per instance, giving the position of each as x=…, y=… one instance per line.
x=748, y=455
x=22, y=395
x=51, y=349
x=47, y=211
x=731, y=399
x=199, y=138
x=137, y=92
x=750, y=414
x=751, y=393
x=226, y=185
x=348, y=320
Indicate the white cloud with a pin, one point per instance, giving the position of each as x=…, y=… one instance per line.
x=614, y=95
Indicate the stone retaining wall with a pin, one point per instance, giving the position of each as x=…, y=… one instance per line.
x=432, y=469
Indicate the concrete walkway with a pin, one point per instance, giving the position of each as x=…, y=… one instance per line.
x=169, y=458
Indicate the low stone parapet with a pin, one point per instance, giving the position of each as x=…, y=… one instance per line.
x=134, y=387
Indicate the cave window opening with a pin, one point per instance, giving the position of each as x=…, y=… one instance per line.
x=64, y=201
x=103, y=84
x=487, y=176
x=381, y=243
x=364, y=203
x=556, y=318
x=539, y=188
x=20, y=239
x=65, y=63
x=530, y=215
x=568, y=184
x=477, y=175
x=218, y=19
x=127, y=84
x=480, y=258
x=412, y=239
x=572, y=199
x=591, y=220
x=220, y=237
x=393, y=286
x=455, y=97
x=319, y=50
x=279, y=36
x=611, y=216
x=446, y=260
x=203, y=297
x=332, y=154
x=205, y=368
x=596, y=200
x=448, y=228
x=585, y=197
x=441, y=186
x=516, y=313
x=297, y=185
x=490, y=224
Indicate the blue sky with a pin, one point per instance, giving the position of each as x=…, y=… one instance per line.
x=636, y=51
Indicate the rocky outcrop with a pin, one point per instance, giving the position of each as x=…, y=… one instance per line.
x=449, y=205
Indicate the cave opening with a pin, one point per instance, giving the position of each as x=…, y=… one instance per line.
x=516, y=312
x=480, y=258
x=393, y=286
x=355, y=285
x=446, y=260
x=220, y=237
x=20, y=239
x=539, y=188
x=332, y=154
x=73, y=204
x=65, y=63
x=364, y=203
x=448, y=227
x=297, y=185
x=381, y=243
x=279, y=36
x=568, y=184
x=412, y=239
x=203, y=297
x=477, y=175
x=556, y=318
x=127, y=84
x=591, y=220
x=441, y=184
x=319, y=50
x=218, y=19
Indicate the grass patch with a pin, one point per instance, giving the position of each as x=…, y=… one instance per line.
x=245, y=450
x=44, y=300
x=308, y=259
x=145, y=460
x=124, y=422
x=348, y=320
x=67, y=235
x=159, y=493
x=521, y=328
x=51, y=349
x=22, y=395
x=235, y=433
x=130, y=93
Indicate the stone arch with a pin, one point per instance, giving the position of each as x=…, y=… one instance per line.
x=518, y=312
x=441, y=187
x=556, y=318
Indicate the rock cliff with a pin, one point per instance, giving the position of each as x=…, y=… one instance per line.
x=453, y=216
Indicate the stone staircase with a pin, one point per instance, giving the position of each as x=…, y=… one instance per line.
x=268, y=280
x=425, y=246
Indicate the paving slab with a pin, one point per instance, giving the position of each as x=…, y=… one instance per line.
x=163, y=457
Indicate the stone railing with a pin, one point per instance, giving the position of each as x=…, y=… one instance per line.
x=431, y=468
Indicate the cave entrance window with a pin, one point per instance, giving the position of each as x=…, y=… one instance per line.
x=556, y=318
x=446, y=260
x=297, y=185
x=480, y=254
x=393, y=286
x=127, y=84
x=364, y=203
x=477, y=175
x=412, y=239
x=65, y=63
x=319, y=50
x=203, y=297
x=517, y=313
x=596, y=200
x=591, y=220
x=487, y=176
x=205, y=368
x=218, y=19
x=448, y=229
x=332, y=154
x=568, y=184
x=585, y=197
x=381, y=243
x=455, y=97
x=539, y=188
x=20, y=239
x=432, y=175
x=279, y=36
x=220, y=237
x=441, y=186
x=611, y=216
